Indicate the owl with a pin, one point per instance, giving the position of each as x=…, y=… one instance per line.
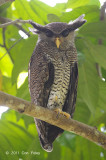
x=53, y=74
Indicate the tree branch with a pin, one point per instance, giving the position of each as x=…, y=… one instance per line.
x=25, y=107
x=6, y=20
x=102, y=12
x=5, y=1
x=15, y=22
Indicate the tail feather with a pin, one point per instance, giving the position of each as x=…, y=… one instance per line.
x=46, y=146
x=47, y=134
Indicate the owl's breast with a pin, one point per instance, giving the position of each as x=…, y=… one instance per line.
x=59, y=88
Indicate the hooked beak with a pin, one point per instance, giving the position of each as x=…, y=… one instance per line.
x=58, y=42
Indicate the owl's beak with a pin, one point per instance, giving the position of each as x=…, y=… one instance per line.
x=58, y=42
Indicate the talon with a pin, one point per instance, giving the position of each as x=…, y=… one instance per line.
x=67, y=115
x=59, y=111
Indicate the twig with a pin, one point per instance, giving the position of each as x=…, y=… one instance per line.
x=5, y=1
x=102, y=12
x=6, y=20
x=4, y=44
x=14, y=22
x=1, y=45
x=25, y=107
x=98, y=68
x=11, y=48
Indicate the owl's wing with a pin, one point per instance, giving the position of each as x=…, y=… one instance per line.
x=41, y=76
x=70, y=101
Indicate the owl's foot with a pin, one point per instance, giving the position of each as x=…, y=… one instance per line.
x=59, y=111
x=67, y=115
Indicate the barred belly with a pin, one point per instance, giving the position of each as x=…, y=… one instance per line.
x=60, y=86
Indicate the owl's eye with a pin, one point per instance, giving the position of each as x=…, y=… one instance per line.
x=65, y=33
x=49, y=33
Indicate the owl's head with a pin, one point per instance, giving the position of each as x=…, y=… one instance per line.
x=61, y=34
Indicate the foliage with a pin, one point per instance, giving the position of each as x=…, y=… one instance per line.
x=18, y=135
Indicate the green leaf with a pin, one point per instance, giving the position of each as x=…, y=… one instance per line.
x=88, y=80
x=53, y=18
x=35, y=151
x=88, y=84
x=94, y=2
x=27, y=120
x=97, y=30
x=11, y=38
x=76, y=3
x=56, y=153
x=25, y=11
x=42, y=10
x=81, y=57
x=1, y=38
x=102, y=97
x=99, y=54
x=103, y=73
x=6, y=64
x=4, y=7
x=13, y=137
x=23, y=91
x=23, y=50
x=8, y=87
x=82, y=112
x=98, y=118
x=68, y=140
x=91, y=13
x=11, y=116
x=60, y=7
x=88, y=150
x=34, y=10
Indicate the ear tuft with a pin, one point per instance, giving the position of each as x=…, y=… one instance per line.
x=77, y=23
x=37, y=27
x=80, y=19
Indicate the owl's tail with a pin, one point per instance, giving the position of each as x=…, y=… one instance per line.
x=47, y=134
x=46, y=146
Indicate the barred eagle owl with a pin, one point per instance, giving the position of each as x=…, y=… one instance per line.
x=53, y=74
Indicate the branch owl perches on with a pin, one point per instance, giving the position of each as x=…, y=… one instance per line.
x=53, y=74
